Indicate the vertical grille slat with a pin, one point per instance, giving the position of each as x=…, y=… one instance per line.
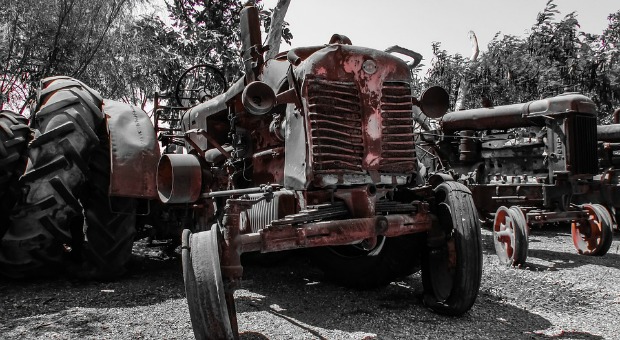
x=335, y=117
x=398, y=148
x=583, y=153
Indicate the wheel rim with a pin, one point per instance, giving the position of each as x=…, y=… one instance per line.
x=206, y=297
x=510, y=235
x=590, y=237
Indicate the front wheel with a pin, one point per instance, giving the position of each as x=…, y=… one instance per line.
x=211, y=308
x=452, y=262
x=510, y=236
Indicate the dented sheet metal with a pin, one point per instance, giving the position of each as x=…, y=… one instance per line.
x=134, y=151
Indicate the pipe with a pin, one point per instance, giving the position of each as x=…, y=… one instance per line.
x=338, y=232
x=179, y=178
x=298, y=54
x=608, y=133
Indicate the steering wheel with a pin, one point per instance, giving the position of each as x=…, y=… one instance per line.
x=198, y=84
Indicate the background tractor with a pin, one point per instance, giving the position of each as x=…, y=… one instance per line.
x=527, y=165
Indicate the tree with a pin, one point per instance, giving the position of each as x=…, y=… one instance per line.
x=44, y=38
x=210, y=33
x=554, y=58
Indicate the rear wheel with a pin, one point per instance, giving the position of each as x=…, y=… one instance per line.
x=46, y=225
x=452, y=264
x=110, y=226
x=14, y=136
x=595, y=236
x=211, y=307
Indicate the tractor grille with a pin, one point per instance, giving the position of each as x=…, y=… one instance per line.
x=335, y=116
x=397, y=147
x=582, y=142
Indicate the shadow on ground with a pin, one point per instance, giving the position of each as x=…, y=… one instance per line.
x=295, y=293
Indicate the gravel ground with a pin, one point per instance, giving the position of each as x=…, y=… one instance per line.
x=559, y=295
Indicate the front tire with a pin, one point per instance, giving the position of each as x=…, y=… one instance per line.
x=211, y=308
x=452, y=263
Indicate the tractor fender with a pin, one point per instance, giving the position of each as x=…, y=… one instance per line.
x=134, y=151
x=439, y=177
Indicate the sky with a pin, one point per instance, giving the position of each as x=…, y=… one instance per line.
x=415, y=24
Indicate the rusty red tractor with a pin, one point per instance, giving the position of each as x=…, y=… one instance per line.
x=314, y=149
x=526, y=165
x=311, y=149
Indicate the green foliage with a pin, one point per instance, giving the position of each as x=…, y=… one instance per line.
x=144, y=56
x=265, y=16
x=123, y=56
x=41, y=38
x=555, y=57
x=210, y=33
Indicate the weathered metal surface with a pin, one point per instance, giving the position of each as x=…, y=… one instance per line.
x=510, y=235
x=593, y=236
x=342, y=232
x=608, y=133
x=264, y=211
x=134, y=151
x=179, y=178
x=517, y=115
x=251, y=42
x=356, y=117
x=196, y=117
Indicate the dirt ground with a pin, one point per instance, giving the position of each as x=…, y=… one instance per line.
x=558, y=295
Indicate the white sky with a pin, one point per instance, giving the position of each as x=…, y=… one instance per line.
x=415, y=24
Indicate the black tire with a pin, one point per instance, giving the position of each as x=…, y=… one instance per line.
x=46, y=224
x=14, y=137
x=211, y=307
x=351, y=266
x=452, y=288
x=110, y=227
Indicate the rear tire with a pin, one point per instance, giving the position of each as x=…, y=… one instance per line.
x=14, y=137
x=110, y=227
x=46, y=224
x=452, y=264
